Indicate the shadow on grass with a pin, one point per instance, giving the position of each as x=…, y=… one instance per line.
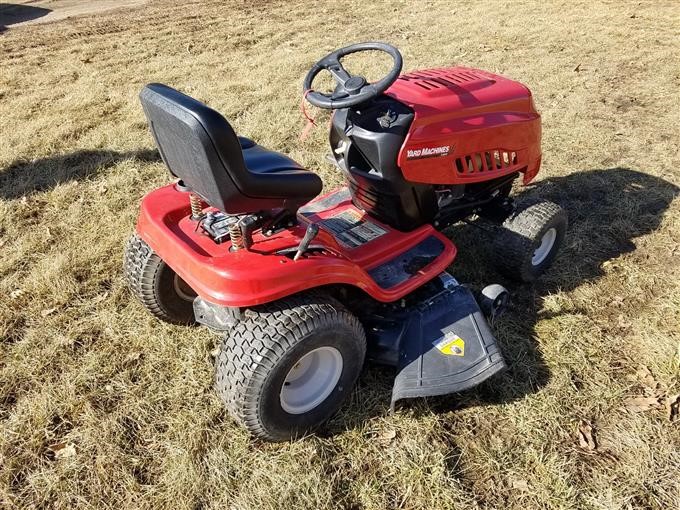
x=23, y=177
x=607, y=209
x=11, y=14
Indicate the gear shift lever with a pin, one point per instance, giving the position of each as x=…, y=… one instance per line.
x=310, y=234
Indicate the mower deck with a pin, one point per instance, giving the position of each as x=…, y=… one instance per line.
x=439, y=341
x=351, y=248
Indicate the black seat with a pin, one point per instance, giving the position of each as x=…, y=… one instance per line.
x=232, y=173
x=260, y=160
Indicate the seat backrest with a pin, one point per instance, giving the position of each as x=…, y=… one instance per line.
x=198, y=146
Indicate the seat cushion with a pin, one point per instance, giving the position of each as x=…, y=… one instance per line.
x=279, y=175
x=260, y=160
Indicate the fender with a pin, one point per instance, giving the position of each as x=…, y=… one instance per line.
x=386, y=268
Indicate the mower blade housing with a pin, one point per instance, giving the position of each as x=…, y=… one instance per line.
x=446, y=346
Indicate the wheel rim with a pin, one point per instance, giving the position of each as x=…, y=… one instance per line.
x=546, y=246
x=182, y=289
x=311, y=380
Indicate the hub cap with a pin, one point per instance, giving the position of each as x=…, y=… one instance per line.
x=311, y=380
x=546, y=246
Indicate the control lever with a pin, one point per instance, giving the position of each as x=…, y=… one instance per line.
x=310, y=234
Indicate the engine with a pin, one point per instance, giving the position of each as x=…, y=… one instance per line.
x=438, y=140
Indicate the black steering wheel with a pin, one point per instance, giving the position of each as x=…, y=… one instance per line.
x=351, y=90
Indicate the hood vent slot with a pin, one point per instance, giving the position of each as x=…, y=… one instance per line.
x=432, y=79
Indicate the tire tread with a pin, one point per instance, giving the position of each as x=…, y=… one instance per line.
x=142, y=266
x=258, y=341
x=520, y=232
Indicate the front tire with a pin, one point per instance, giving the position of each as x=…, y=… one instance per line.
x=160, y=290
x=530, y=239
x=288, y=366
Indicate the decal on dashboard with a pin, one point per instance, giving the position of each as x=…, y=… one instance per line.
x=352, y=229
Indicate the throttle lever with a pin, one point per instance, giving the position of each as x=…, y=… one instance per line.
x=310, y=234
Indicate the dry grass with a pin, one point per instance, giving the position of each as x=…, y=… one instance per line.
x=130, y=400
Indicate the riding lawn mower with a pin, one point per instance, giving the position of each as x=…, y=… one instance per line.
x=305, y=288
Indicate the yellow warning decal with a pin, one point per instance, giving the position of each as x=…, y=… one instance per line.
x=451, y=344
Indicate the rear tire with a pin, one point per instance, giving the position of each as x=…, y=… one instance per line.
x=288, y=366
x=530, y=239
x=160, y=290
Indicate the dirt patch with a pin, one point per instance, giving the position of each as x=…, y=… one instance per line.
x=33, y=12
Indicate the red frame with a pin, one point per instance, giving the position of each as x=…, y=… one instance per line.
x=259, y=275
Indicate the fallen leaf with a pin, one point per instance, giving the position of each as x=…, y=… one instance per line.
x=16, y=293
x=56, y=447
x=623, y=322
x=586, y=437
x=133, y=356
x=657, y=392
x=611, y=265
x=521, y=485
x=641, y=404
x=100, y=297
x=617, y=301
x=62, y=450
x=47, y=312
x=644, y=376
x=68, y=451
x=673, y=407
x=577, y=68
x=388, y=435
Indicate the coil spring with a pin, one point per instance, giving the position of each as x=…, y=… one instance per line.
x=196, y=206
x=236, y=236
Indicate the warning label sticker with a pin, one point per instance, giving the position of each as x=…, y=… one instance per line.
x=351, y=230
x=450, y=344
